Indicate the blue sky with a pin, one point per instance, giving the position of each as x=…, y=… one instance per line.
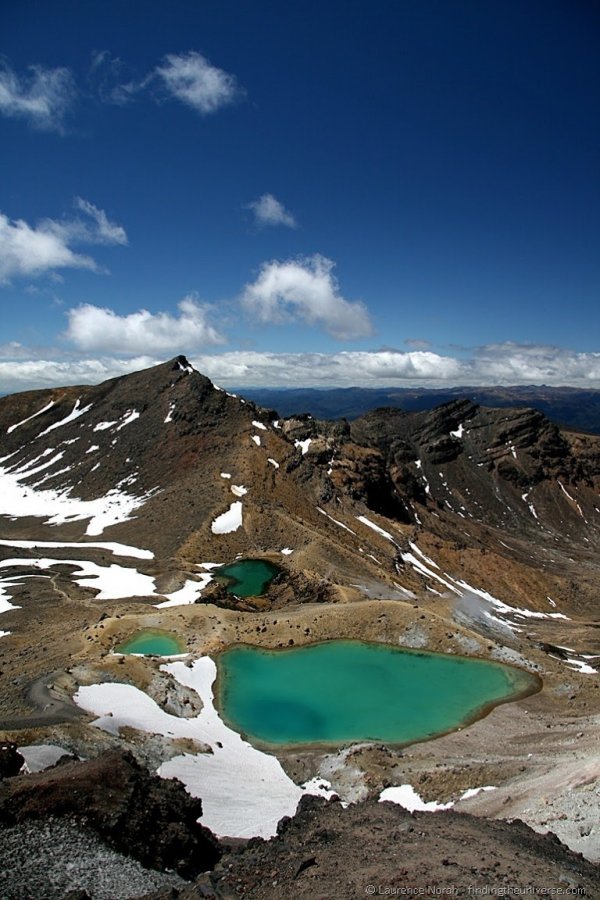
x=302, y=193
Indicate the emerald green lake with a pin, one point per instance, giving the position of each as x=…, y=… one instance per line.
x=342, y=691
x=248, y=577
x=155, y=643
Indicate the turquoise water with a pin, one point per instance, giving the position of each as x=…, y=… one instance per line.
x=248, y=577
x=155, y=643
x=342, y=691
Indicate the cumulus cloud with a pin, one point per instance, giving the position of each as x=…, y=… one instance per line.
x=269, y=211
x=42, y=97
x=33, y=251
x=192, y=79
x=94, y=328
x=305, y=289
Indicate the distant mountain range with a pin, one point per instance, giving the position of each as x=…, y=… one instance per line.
x=567, y=406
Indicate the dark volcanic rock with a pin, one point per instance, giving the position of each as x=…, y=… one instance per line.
x=142, y=815
x=11, y=760
x=379, y=849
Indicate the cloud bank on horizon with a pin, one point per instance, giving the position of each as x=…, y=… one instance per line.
x=508, y=364
x=399, y=244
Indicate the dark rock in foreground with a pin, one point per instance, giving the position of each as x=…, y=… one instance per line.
x=379, y=848
x=10, y=760
x=141, y=815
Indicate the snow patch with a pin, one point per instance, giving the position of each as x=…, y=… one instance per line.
x=74, y=414
x=336, y=521
x=58, y=506
x=376, y=528
x=244, y=791
x=113, y=547
x=228, y=521
x=303, y=445
x=44, y=409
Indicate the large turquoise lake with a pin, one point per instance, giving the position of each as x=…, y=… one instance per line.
x=343, y=691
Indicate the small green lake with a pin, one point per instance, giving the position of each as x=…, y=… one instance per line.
x=151, y=643
x=248, y=577
x=342, y=691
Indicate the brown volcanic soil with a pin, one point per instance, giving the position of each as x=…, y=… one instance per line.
x=380, y=849
x=343, y=579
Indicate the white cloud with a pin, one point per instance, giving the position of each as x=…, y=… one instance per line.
x=33, y=251
x=507, y=364
x=43, y=97
x=114, y=81
x=47, y=372
x=192, y=79
x=269, y=211
x=305, y=289
x=93, y=328
x=21, y=368
x=344, y=369
x=104, y=232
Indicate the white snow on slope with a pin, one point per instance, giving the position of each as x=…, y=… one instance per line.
x=111, y=546
x=256, y=439
x=525, y=497
x=74, y=414
x=57, y=506
x=113, y=582
x=187, y=594
x=259, y=425
x=336, y=521
x=406, y=796
x=239, y=490
x=29, y=418
x=459, y=431
x=128, y=418
x=303, y=445
x=12, y=582
x=228, y=521
x=273, y=462
x=376, y=528
x=244, y=792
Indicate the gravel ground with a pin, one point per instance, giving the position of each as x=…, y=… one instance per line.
x=49, y=858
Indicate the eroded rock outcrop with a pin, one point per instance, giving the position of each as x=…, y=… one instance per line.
x=144, y=816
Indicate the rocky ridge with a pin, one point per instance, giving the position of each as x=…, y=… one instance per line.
x=462, y=529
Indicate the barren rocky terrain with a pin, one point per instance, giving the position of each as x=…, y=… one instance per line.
x=463, y=530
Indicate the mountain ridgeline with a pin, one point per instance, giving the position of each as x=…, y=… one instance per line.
x=463, y=529
x=570, y=407
x=471, y=479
